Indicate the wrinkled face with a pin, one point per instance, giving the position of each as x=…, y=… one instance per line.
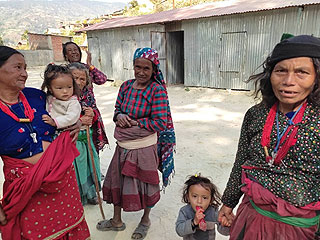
x=143, y=71
x=292, y=81
x=199, y=197
x=62, y=87
x=13, y=74
x=80, y=77
x=73, y=54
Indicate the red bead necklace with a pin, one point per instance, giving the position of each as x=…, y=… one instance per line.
x=291, y=140
x=28, y=111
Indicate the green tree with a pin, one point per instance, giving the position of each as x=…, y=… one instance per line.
x=24, y=35
x=134, y=9
x=159, y=5
x=164, y=5
x=134, y=3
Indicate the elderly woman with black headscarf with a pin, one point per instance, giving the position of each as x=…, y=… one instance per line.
x=145, y=140
x=277, y=165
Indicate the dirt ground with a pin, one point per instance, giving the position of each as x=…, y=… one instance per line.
x=207, y=124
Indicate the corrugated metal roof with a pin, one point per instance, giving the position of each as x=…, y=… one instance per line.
x=201, y=11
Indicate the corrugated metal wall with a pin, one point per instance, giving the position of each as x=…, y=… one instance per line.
x=219, y=52
x=113, y=49
x=222, y=52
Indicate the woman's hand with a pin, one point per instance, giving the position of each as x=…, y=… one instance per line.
x=3, y=218
x=74, y=130
x=86, y=120
x=88, y=111
x=226, y=216
x=124, y=121
x=89, y=58
x=47, y=119
x=134, y=123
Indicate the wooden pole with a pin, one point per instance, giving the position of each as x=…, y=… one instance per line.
x=94, y=172
x=173, y=4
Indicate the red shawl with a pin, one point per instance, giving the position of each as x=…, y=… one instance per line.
x=23, y=180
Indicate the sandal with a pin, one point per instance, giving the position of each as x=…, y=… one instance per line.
x=140, y=230
x=106, y=225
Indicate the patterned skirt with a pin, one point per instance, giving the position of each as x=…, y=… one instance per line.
x=132, y=180
x=42, y=201
x=249, y=224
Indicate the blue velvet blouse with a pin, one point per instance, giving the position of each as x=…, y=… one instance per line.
x=22, y=140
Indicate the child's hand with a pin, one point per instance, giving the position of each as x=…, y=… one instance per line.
x=224, y=222
x=202, y=223
x=199, y=215
x=47, y=119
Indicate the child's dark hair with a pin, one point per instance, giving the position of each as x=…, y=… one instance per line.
x=205, y=183
x=52, y=72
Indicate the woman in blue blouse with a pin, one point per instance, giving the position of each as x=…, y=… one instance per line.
x=40, y=197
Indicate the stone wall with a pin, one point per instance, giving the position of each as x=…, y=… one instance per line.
x=37, y=57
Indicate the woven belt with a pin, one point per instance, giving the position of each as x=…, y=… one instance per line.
x=139, y=143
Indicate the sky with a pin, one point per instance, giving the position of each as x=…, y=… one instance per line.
x=109, y=1
x=123, y=1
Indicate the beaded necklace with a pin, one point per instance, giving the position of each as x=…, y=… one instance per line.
x=28, y=112
x=280, y=152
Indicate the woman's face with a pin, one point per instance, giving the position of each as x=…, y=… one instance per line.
x=80, y=77
x=143, y=71
x=292, y=81
x=13, y=74
x=72, y=52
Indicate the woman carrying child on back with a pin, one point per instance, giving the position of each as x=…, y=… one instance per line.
x=198, y=218
x=62, y=102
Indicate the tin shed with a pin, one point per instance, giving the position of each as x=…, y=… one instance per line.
x=215, y=45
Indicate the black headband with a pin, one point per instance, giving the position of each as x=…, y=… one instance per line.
x=299, y=46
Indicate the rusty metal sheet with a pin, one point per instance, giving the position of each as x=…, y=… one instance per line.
x=220, y=8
